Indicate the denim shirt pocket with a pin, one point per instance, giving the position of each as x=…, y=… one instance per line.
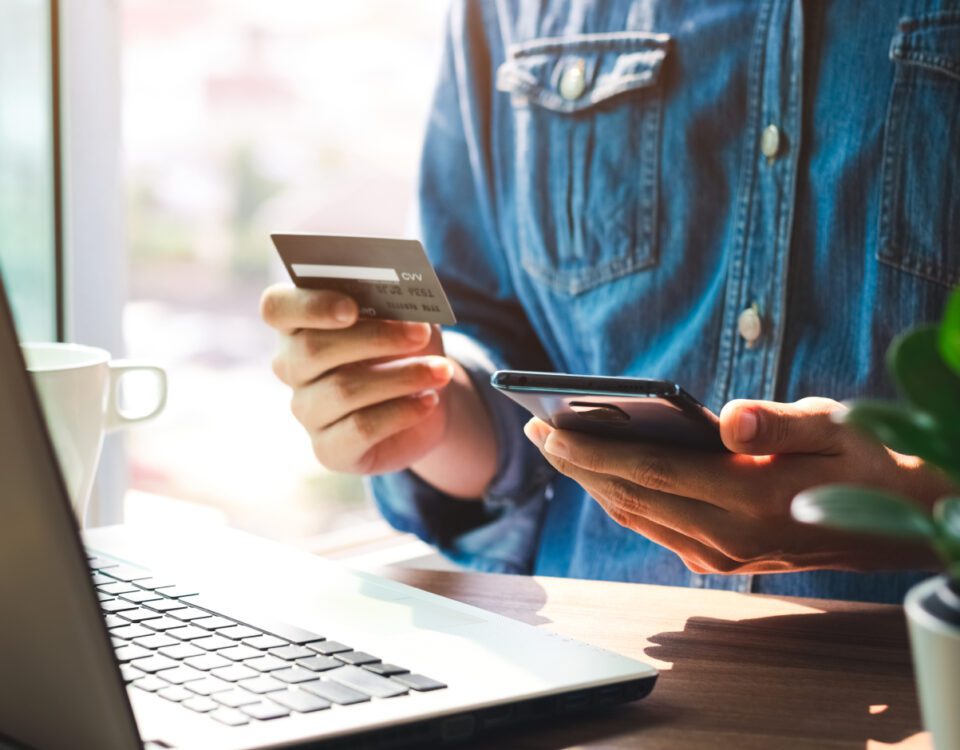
x=586, y=115
x=920, y=208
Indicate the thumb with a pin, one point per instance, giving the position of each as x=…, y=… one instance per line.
x=761, y=428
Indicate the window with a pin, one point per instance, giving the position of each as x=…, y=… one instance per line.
x=242, y=118
x=28, y=235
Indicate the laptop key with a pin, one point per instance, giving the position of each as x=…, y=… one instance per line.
x=386, y=670
x=180, y=651
x=139, y=597
x=138, y=615
x=189, y=633
x=150, y=684
x=118, y=642
x=178, y=592
x=214, y=622
x=99, y=563
x=229, y=716
x=129, y=673
x=188, y=614
x=127, y=573
x=175, y=693
x=165, y=605
x=209, y=686
x=319, y=663
x=113, y=621
x=236, y=698
x=240, y=653
x=181, y=674
x=207, y=661
x=418, y=682
x=153, y=664
x=267, y=663
x=294, y=675
x=291, y=653
x=300, y=701
x=234, y=673
x=104, y=597
x=335, y=692
x=130, y=631
x=357, y=658
x=238, y=632
x=328, y=647
x=265, y=711
x=265, y=642
x=153, y=583
x=200, y=704
x=117, y=587
x=367, y=682
x=157, y=640
x=214, y=643
x=99, y=579
x=164, y=623
x=262, y=684
x=116, y=605
x=131, y=652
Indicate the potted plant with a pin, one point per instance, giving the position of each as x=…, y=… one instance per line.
x=925, y=363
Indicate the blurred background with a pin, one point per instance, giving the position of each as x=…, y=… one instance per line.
x=147, y=150
x=242, y=118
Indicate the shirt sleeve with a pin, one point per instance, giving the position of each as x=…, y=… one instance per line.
x=458, y=216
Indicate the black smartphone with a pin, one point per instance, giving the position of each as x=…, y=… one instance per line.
x=620, y=408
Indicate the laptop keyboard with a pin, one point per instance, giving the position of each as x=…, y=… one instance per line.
x=190, y=650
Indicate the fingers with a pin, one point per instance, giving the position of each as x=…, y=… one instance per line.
x=348, y=389
x=762, y=428
x=307, y=354
x=352, y=444
x=288, y=308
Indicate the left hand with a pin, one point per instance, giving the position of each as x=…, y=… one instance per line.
x=730, y=513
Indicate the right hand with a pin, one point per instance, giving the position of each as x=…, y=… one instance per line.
x=368, y=392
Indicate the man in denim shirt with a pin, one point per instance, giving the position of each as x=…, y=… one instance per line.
x=748, y=198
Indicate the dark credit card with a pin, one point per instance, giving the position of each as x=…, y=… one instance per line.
x=390, y=279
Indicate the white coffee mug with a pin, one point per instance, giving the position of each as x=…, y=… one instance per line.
x=79, y=388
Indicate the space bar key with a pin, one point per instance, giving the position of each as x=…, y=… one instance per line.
x=234, y=611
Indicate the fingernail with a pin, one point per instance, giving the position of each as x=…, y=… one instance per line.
x=535, y=431
x=416, y=332
x=343, y=311
x=441, y=369
x=429, y=399
x=555, y=446
x=746, y=429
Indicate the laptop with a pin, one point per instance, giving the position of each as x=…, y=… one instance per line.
x=187, y=638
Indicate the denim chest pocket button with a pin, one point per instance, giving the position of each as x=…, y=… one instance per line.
x=919, y=229
x=586, y=122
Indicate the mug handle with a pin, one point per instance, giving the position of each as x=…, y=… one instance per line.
x=116, y=417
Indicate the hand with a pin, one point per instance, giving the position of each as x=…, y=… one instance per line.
x=730, y=513
x=367, y=391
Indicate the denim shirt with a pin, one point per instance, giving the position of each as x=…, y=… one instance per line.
x=607, y=186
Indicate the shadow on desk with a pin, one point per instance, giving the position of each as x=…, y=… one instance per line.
x=817, y=680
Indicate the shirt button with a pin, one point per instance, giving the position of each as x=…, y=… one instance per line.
x=573, y=82
x=749, y=325
x=770, y=142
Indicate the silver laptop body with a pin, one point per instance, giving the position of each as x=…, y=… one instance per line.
x=74, y=676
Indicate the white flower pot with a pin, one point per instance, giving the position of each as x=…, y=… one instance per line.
x=935, y=643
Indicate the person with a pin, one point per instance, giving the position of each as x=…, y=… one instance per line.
x=747, y=198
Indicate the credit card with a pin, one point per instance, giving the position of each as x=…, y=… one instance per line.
x=389, y=279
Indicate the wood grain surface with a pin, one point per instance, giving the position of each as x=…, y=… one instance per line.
x=738, y=671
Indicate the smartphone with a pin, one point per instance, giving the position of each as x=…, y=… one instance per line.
x=620, y=408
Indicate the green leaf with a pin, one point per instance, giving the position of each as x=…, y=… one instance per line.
x=947, y=514
x=862, y=509
x=905, y=430
x=950, y=333
x=924, y=378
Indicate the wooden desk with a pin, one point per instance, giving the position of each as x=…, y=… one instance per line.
x=738, y=671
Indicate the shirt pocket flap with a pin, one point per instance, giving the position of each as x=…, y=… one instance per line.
x=931, y=42
x=572, y=74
